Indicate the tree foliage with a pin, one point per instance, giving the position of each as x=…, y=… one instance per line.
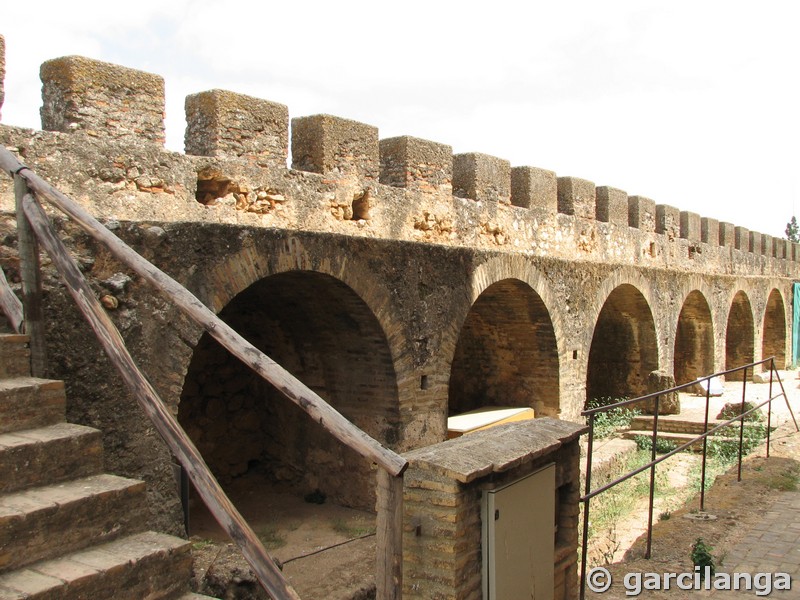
x=793, y=231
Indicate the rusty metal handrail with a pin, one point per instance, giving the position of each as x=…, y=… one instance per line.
x=591, y=413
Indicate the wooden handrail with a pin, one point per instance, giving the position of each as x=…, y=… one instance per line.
x=10, y=304
x=173, y=434
x=392, y=465
x=319, y=410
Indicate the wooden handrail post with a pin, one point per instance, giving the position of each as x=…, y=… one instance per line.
x=389, y=537
x=11, y=305
x=31, y=282
x=164, y=421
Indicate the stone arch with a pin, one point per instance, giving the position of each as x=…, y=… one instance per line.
x=507, y=348
x=774, y=332
x=624, y=349
x=694, y=339
x=326, y=334
x=739, y=335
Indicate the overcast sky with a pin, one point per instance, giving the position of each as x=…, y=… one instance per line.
x=693, y=104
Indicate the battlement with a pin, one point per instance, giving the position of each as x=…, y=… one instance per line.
x=111, y=102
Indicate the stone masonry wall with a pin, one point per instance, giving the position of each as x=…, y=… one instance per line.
x=380, y=219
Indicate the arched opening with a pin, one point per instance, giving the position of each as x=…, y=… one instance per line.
x=739, y=336
x=694, y=340
x=774, y=341
x=624, y=348
x=322, y=332
x=506, y=354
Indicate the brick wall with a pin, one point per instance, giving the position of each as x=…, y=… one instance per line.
x=442, y=556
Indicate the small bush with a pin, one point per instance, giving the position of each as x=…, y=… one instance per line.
x=702, y=557
x=607, y=423
x=663, y=445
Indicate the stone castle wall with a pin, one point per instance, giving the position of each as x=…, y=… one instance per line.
x=387, y=261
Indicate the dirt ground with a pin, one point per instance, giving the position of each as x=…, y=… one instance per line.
x=734, y=505
x=324, y=550
x=328, y=551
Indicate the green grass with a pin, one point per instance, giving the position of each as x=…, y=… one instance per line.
x=352, y=529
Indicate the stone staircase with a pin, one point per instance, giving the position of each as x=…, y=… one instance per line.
x=674, y=428
x=67, y=530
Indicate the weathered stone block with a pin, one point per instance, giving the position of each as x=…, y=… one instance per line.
x=766, y=245
x=417, y=164
x=754, y=243
x=795, y=251
x=101, y=99
x=334, y=146
x=726, y=234
x=779, y=248
x=612, y=205
x=642, y=213
x=482, y=177
x=668, y=404
x=668, y=220
x=690, y=226
x=221, y=123
x=2, y=72
x=741, y=238
x=709, y=231
x=534, y=188
x=576, y=197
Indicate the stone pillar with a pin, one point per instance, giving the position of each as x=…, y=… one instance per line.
x=482, y=177
x=766, y=245
x=336, y=147
x=611, y=205
x=754, y=243
x=221, y=123
x=534, y=188
x=726, y=235
x=668, y=221
x=101, y=99
x=576, y=197
x=690, y=226
x=642, y=213
x=741, y=238
x=443, y=491
x=416, y=164
x=709, y=231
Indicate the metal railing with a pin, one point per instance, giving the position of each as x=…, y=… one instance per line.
x=35, y=228
x=743, y=414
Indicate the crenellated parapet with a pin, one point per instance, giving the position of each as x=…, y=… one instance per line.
x=102, y=100
x=344, y=179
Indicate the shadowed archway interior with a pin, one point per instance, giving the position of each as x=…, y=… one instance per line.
x=739, y=336
x=322, y=332
x=624, y=348
x=774, y=341
x=506, y=353
x=694, y=340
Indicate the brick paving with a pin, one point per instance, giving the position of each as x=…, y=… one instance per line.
x=771, y=546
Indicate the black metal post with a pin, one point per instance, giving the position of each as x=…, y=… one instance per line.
x=769, y=406
x=652, y=480
x=741, y=424
x=705, y=449
x=587, y=489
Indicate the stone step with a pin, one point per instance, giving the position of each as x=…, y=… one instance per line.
x=677, y=438
x=146, y=565
x=29, y=402
x=44, y=522
x=15, y=357
x=49, y=454
x=672, y=425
